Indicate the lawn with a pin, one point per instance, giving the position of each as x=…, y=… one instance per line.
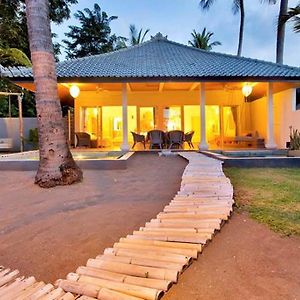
x=271, y=196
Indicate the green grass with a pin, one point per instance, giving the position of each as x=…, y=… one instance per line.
x=271, y=196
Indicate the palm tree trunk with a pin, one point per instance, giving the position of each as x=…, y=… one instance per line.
x=241, y=33
x=56, y=166
x=281, y=31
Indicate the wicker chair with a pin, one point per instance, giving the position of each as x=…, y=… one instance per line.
x=176, y=137
x=188, y=138
x=83, y=139
x=138, y=138
x=156, y=138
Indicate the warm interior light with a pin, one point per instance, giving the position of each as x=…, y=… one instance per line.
x=74, y=91
x=247, y=90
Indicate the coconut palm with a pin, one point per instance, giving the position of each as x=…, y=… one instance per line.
x=13, y=57
x=237, y=7
x=56, y=166
x=281, y=21
x=202, y=40
x=137, y=36
x=294, y=16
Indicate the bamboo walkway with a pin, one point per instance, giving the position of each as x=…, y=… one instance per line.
x=145, y=264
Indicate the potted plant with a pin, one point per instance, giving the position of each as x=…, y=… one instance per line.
x=294, y=147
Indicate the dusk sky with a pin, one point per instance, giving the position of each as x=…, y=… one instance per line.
x=177, y=19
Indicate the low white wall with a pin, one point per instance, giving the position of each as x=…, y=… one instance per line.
x=9, y=128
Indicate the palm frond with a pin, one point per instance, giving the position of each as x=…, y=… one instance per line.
x=206, y=4
x=236, y=6
x=14, y=57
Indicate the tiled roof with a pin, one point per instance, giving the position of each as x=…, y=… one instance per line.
x=161, y=59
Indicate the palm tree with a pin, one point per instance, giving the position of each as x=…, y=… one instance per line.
x=237, y=6
x=281, y=31
x=285, y=15
x=56, y=166
x=137, y=37
x=294, y=16
x=202, y=40
x=13, y=57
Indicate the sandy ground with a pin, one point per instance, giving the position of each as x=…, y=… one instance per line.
x=48, y=233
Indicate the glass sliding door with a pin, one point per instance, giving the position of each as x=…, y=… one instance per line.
x=112, y=125
x=192, y=121
x=147, y=119
x=212, y=124
x=91, y=124
x=172, y=118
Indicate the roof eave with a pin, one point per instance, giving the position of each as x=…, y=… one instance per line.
x=167, y=79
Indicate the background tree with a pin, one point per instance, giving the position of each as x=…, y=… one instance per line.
x=237, y=6
x=294, y=16
x=284, y=16
x=56, y=166
x=202, y=40
x=93, y=36
x=137, y=36
x=14, y=47
x=13, y=27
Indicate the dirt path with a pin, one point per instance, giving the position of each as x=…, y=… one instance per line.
x=245, y=261
x=49, y=233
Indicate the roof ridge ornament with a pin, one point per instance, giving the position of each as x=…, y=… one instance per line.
x=158, y=37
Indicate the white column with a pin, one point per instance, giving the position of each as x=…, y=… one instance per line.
x=270, y=118
x=125, y=146
x=203, y=144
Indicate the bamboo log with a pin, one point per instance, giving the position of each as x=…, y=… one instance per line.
x=142, y=262
x=134, y=270
x=128, y=289
x=27, y=292
x=175, y=236
x=193, y=230
x=175, y=232
x=79, y=288
x=130, y=239
x=4, y=272
x=189, y=215
x=106, y=294
x=175, y=209
x=169, y=257
x=169, y=238
x=107, y=275
x=8, y=277
x=205, y=231
x=54, y=294
x=5, y=288
x=159, y=248
x=72, y=276
x=42, y=291
x=199, y=205
x=67, y=296
x=196, y=225
x=15, y=287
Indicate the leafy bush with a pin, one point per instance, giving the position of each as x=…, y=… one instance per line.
x=33, y=138
x=294, y=139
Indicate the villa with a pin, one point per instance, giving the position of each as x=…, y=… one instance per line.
x=228, y=101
